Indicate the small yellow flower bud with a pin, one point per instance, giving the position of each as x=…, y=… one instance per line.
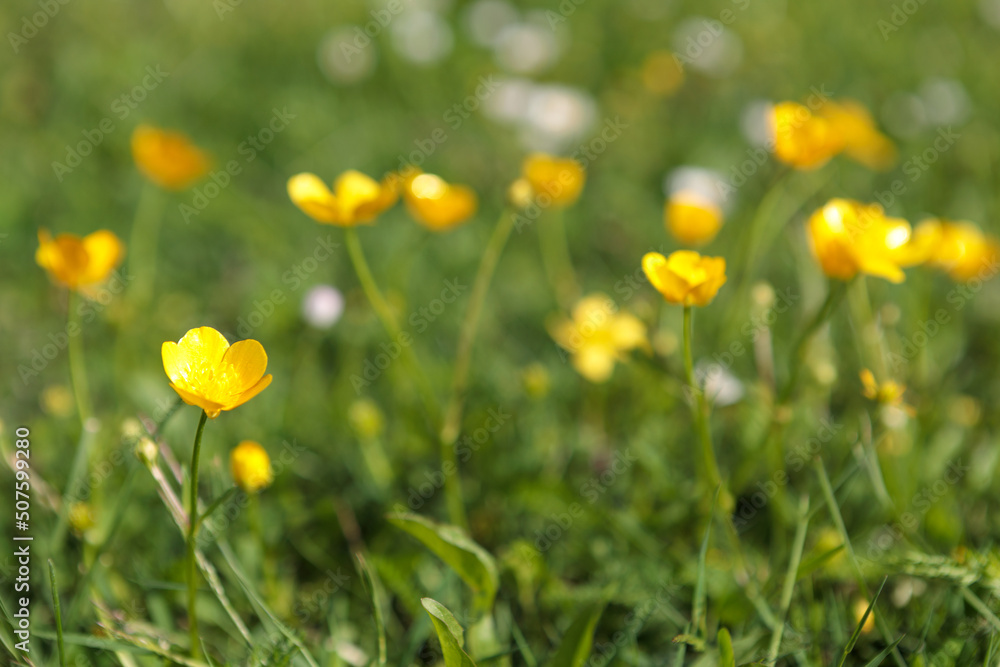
x=251, y=467
x=535, y=379
x=366, y=419
x=81, y=517
x=520, y=193
x=146, y=451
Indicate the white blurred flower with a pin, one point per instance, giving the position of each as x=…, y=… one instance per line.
x=508, y=103
x=721, y=387
x=485, y=19
x=708, y=46
x=421, y=36
x=556, y=116
x=990, y=11
x=525, y=48
x=755, y=123
x=346, y=54
x=322, y=306
x=945, y=101
x=704, y=186
x=904, y=115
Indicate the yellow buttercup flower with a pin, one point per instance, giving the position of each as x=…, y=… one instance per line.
x=251, y=467
x=862, y=140
x=79, y=263
x=889, y=392
x=692, y=218
x=685, y=278
x=167, y=158
x=81, y=517
x=437, y=204
x=960, y=248
x=801, y=139
x=848, y=237
x=356, y=199
x=559, y=179
x=206, y=371
x=598, y=335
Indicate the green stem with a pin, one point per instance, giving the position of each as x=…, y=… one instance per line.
x=712, y=478
x=790, y=578
x=463, y=360
x=58, y=612
x=77, y=365
x=834, y=296
x=192, y=564
x=870, y=338
x=556, y=259
x=385, y=315
x=143, y=242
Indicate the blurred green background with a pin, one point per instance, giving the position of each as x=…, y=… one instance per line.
x=561, y=73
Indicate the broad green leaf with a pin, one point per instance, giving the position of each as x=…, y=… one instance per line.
x=726, y=656
x=473, y=564
x=449, y=633
x=579, y=639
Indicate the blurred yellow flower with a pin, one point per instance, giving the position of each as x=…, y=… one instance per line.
x=691, y=218
x=598, y=335
x=437, y=204
x=889, y=392
x=960, y=248
x=801, y=139
x=848, y=237
x=535, y=380
x=79, y=263
x=366, y=419
x=520, y=194
x=81, y=517
x=251, y=467
x=862, y=140
x=859, y=608
x=662, y=73
x=685, y=277
x=561, y=179
x=355, y=199
x=206, y=371
x=168, y=158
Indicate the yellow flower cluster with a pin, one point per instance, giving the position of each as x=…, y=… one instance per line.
x=807, y=140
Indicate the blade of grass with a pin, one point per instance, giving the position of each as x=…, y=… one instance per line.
x=374, y=587
x=57, y=609
x=860, y=626
x=798, y=543
x=980, y=606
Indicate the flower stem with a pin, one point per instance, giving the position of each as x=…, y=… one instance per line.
x=77, y=366
x=833, y=298
x=143, y=242
x=385, y=315
x=463, y=358
x=712, y=478
x=58, y=614
x=556, y=259
x=192, y=564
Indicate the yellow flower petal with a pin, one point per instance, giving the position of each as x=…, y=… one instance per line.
x=691, y=220
x=251, y=466
x=559, y=179
x=437, y=204
x=310, y=193
x=79, y=263
x=168, y=158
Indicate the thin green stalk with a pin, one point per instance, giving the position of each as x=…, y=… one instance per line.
x=870, y=337
x=463, y=359
x=556, y=259
x=192, y=565
x=77, y=365
x=58, y=612
x=790, y=576
x=385, y=315
x=838, y=520
x=712, y=478
x=143, y=242
x=834, y=296
x=77, y=469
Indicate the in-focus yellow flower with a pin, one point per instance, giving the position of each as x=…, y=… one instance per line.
x=960, y=248
x=685, y=278
x=692, y=218
x=79, y=263
x=598, y=335
x=862, y=140
x=205, y=370
x=848, y=237
x=168, y=158
x=558, y=179
x=437, y=204
x=662, y=73
x=251, y=467
x=356, y=199
x=801, y=139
